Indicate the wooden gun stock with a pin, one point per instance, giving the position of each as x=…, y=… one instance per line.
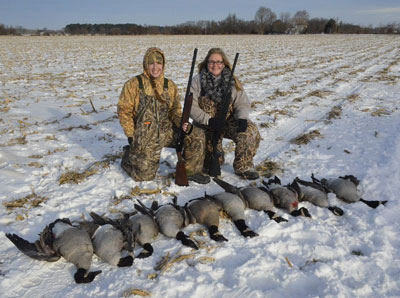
x=180, y=174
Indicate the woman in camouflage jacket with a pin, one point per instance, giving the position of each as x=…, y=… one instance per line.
x=149, y=112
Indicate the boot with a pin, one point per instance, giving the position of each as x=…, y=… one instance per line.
x=199, y=178
x=249, y=175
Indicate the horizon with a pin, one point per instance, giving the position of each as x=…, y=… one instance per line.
x=50, y=15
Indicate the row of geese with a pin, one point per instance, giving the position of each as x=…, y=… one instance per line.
x=113, y=240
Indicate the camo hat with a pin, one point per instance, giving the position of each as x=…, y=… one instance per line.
x=156, y=57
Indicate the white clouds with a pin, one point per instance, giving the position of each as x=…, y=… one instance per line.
x=381, y=11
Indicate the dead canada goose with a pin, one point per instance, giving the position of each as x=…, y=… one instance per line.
x=206, y=212
x=286, y=197
x=171, y=218
x=256, y=198
x=136, y=228
x=315, y=193
x=234, y=206
x=110, y=240
x=144, y=229
x=61, y=239
x=345, y=188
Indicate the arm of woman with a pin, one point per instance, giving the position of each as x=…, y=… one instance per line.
x=196, y=113
x=175, y=109
x=241, y=104
x=127, y=106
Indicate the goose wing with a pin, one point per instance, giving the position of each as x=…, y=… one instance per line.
x=41, y=249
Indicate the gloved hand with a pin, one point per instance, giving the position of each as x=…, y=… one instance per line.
x=242, y=125
x=130, y=141
x=215, y=123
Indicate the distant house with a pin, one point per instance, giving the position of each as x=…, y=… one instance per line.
x=297, y=29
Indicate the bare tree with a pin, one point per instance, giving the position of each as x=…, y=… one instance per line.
x=331, y=27
x=301, y=18
x=230, y=24
x=316, y=25
x=203, y=25
x=264, y=17
x=284, y=17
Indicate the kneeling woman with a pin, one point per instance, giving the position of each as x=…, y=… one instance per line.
x=150, y=112
x=208, y=88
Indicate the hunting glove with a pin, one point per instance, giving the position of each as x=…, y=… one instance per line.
x=130, y=141
x=215, y=123
x=242, y=125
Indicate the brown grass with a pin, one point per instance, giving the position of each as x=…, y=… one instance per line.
x=380, y=112
x=116, y=200
x=136, y=292
x=255, y=103
x=306, y=138
x=16, y=141
x=319, y=93
x=278, y=93
x=275, y=111
x=30, y=201
x=353, y=97
x=266, y=125
x=269, y=168
x=85, y=127
x=335, y=113
x=74, y=177
x=136, y=191
x=35, y=164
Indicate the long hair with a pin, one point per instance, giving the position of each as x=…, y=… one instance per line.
x=203, y=64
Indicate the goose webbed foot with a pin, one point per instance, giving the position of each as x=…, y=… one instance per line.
x=125, y=262
x=272, y=215
x=301, y=212
x=185, y=240
x=146, y=252
x=244, y=229
x=81, y=277
x=215, y=234
x=336, y=210
x=373, y=204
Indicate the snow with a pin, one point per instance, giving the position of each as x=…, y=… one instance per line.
x=48, y=127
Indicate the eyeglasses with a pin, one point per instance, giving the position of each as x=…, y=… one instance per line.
x=218, y=63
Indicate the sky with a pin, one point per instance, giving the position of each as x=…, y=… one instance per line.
x=56, y=14
x=342, y=89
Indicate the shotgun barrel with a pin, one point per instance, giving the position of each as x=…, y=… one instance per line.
x=181, y=175
x=215, y=168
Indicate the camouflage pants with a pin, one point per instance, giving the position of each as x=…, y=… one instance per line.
x=246, y=145
x=142, y=163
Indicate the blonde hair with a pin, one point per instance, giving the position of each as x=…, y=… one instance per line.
x=203, y=64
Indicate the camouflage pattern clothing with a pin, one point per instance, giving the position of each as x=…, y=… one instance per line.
x=246, y=143
x=149, y=111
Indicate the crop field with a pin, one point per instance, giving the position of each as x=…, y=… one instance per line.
x=324, y=104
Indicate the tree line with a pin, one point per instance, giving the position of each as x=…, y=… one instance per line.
x=265, y=22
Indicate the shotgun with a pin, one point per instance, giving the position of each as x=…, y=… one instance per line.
x=180, y=175
x=215, y=168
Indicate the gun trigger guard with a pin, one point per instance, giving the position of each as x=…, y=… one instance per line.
x=190, y=130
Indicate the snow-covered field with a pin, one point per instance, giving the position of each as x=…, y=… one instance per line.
x=344, y=90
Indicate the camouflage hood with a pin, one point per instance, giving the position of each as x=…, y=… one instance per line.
x=151, y=54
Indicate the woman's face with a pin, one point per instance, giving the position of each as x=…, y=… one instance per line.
x=215, y=64
x=155, y=69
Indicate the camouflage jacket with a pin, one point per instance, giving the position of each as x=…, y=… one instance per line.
x=129, y=98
